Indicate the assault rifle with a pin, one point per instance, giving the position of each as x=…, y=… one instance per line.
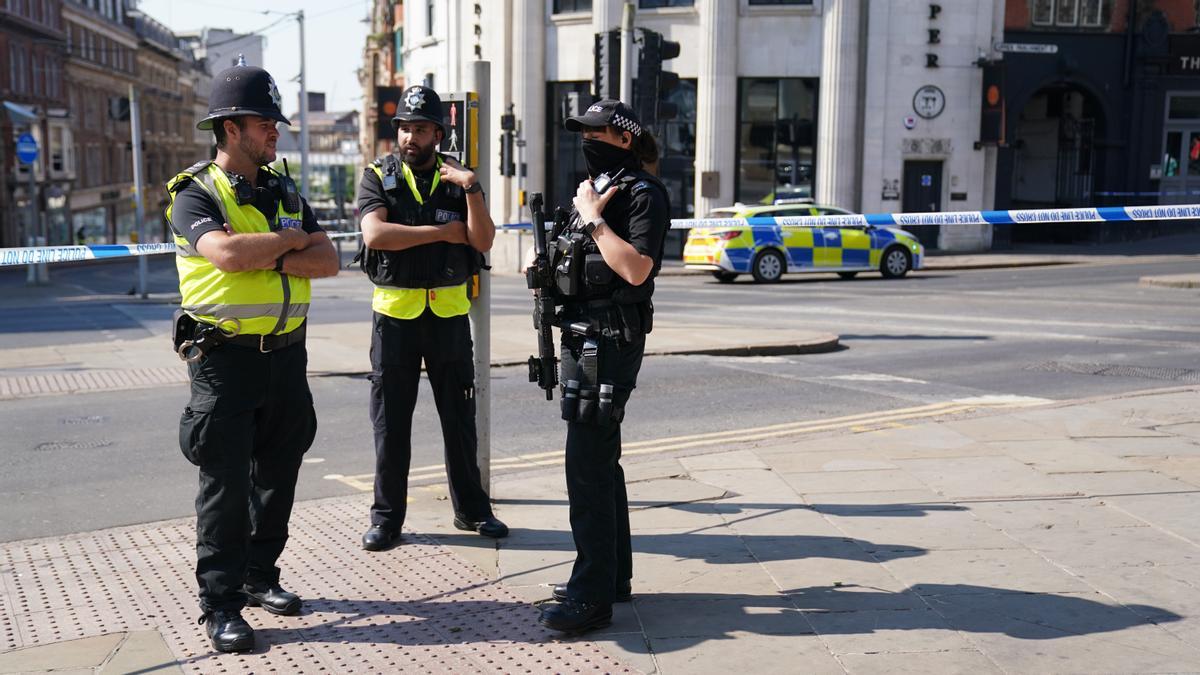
x=543, y=368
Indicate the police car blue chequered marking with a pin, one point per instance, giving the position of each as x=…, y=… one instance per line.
x=855, y=256
x=800, y=256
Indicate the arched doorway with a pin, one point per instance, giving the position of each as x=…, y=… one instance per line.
x=1055, y=158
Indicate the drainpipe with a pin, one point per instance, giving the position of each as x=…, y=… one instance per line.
x=1130, y=22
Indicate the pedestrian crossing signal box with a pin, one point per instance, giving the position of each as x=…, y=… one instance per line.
x=460, y=110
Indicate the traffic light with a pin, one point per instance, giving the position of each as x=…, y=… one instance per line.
x=654, y=85
x=991, y=118
x=606, y=79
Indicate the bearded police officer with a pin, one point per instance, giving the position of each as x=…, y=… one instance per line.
x=604, y=266
x=247, y=245
x=425, y=226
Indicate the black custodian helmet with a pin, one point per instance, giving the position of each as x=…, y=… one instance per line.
x=243, y=90
x=419, y=104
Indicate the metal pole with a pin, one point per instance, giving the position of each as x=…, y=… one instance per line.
x=34, y=274
x=303, y=112
x=627, y=65
x=135, y=130
x=478, y=79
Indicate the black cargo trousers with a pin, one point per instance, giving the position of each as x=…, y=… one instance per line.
x=398, y=347
x=599, y=506
x=247, y=426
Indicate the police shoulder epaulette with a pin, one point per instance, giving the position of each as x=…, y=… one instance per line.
x=197, y=167
x=639, y=187
x=177, y=184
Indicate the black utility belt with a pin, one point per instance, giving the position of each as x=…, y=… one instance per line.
x=268, y=343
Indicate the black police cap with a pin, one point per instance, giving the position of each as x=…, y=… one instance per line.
x=419, y=104
x=243, y=90
x=604, y=113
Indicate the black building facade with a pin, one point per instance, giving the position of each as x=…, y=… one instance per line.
x=1110, y=119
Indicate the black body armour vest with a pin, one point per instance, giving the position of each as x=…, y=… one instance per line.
x=580, y=271
x=437, y=265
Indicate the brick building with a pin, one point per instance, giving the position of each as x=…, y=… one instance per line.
x=32, y=99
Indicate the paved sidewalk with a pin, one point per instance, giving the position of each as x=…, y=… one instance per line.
x=984, y=535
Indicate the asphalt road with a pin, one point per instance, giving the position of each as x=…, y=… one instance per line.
x=83, y=462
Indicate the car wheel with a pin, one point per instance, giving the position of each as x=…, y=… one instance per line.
x=896, y=262
x=847, y=275
x=725, y=277
x=768, y=266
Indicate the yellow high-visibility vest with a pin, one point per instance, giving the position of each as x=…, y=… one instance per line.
x=263, y=302
x=409, y=303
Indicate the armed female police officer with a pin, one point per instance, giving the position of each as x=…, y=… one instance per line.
x=605, y=267
x=247, y=246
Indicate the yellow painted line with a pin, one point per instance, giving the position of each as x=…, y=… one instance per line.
x=860, y=423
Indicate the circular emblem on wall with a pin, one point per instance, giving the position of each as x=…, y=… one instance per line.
x=929, y=102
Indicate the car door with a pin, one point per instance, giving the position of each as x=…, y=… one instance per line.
x=843, y=247
x=800, y=241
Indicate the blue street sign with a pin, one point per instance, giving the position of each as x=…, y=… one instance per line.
x=27, y=148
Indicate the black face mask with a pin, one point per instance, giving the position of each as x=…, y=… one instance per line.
x=604, y=157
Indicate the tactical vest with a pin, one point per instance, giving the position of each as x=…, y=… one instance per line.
x=580, y=271
x=431, y=274
x=263, y=302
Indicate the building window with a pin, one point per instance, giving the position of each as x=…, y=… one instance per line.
x=39, y=77
x=655, y=4
x=776, y=130
x=18, y=76
x=780, y=2
x=677, y=143
x=398, y=51
x=565, y=168
x=1069, y=13
x=1183, y=108
x=429, y=17
x=565, y=6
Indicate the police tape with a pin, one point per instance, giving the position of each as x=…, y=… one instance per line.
x=37, y=255
x=1107, y=214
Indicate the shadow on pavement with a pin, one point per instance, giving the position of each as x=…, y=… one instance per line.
x=860, y=610
x=885, y=336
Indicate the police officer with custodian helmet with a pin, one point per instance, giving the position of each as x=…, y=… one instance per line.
x=425, y=227
x=247, y=245
x=604, y=264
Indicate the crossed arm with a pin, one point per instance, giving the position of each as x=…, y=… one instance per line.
x=478, y=231
x=306, y=255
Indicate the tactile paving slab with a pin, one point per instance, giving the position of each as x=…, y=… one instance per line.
x=50, y=384
x=417, y=608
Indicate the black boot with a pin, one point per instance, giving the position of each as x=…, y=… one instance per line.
x=273, y=598
x=573, y=616
x=228, y=631
x=380, y=538
x=488, y=527
x=624, y=593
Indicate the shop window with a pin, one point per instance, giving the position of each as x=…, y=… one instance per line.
x=776, y=139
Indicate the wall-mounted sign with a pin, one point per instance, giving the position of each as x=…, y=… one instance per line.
x=929, y=102
x=1025, y=48
x=910, y=122
x=891, y=190
x=1184, y=55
